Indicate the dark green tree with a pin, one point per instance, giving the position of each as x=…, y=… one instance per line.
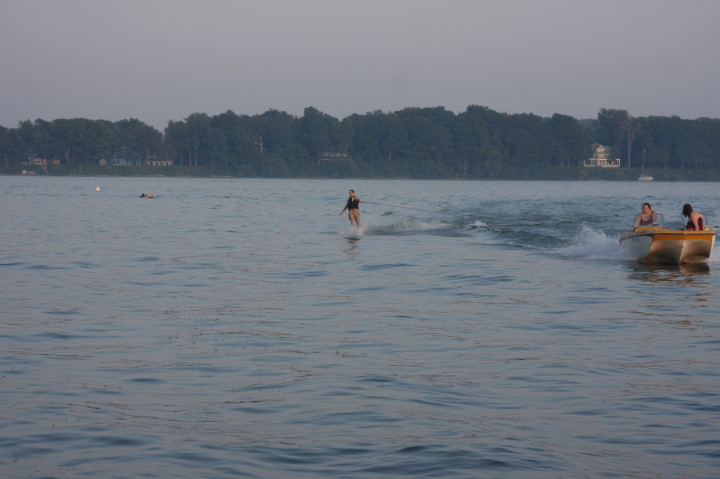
x=13, y=149
x=612, y=126
x=318, y=133
x=568, y=140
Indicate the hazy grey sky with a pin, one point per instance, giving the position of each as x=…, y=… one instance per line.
x=160, y=60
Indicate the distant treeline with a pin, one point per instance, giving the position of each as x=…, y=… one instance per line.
x=430, y=143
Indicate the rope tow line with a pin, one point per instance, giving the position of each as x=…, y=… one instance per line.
x=419, y=209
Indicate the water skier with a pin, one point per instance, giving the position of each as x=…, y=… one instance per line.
x=353, y=208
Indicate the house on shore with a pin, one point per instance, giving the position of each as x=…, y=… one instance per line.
x=600, y=158
x=333, y=156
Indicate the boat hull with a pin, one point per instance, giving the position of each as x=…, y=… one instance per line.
x=662, y=245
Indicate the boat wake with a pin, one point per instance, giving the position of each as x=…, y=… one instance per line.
x=412, y=226
x=591, y=244
x=476, y=224
x=715, y=255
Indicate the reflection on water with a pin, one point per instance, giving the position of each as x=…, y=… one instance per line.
x=686, y=289
x=690, y=274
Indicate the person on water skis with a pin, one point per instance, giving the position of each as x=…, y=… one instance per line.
x=353, y=208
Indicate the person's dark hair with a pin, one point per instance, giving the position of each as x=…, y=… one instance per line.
x=687, y=209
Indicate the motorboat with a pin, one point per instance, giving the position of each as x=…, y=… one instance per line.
x=651, y=242
x=645, y=178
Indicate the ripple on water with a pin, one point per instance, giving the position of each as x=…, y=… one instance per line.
x=243, y=346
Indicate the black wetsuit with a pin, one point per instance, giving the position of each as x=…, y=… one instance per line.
x=353, y=203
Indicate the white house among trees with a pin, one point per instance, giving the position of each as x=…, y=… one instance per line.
x=600, y=158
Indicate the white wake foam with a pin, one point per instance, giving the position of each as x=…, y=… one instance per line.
x=589, y=243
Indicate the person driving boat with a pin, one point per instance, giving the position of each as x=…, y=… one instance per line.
x=647, y=218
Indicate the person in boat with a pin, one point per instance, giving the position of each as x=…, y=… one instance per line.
x=695, y=219
x=146, y=195
x=647, y=217
x=353, y=208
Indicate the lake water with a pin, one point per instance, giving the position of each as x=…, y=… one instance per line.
x=235, y=328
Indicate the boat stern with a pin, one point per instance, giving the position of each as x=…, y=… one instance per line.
x=665, y=246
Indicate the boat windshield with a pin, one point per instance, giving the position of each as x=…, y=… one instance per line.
x=650, y=219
